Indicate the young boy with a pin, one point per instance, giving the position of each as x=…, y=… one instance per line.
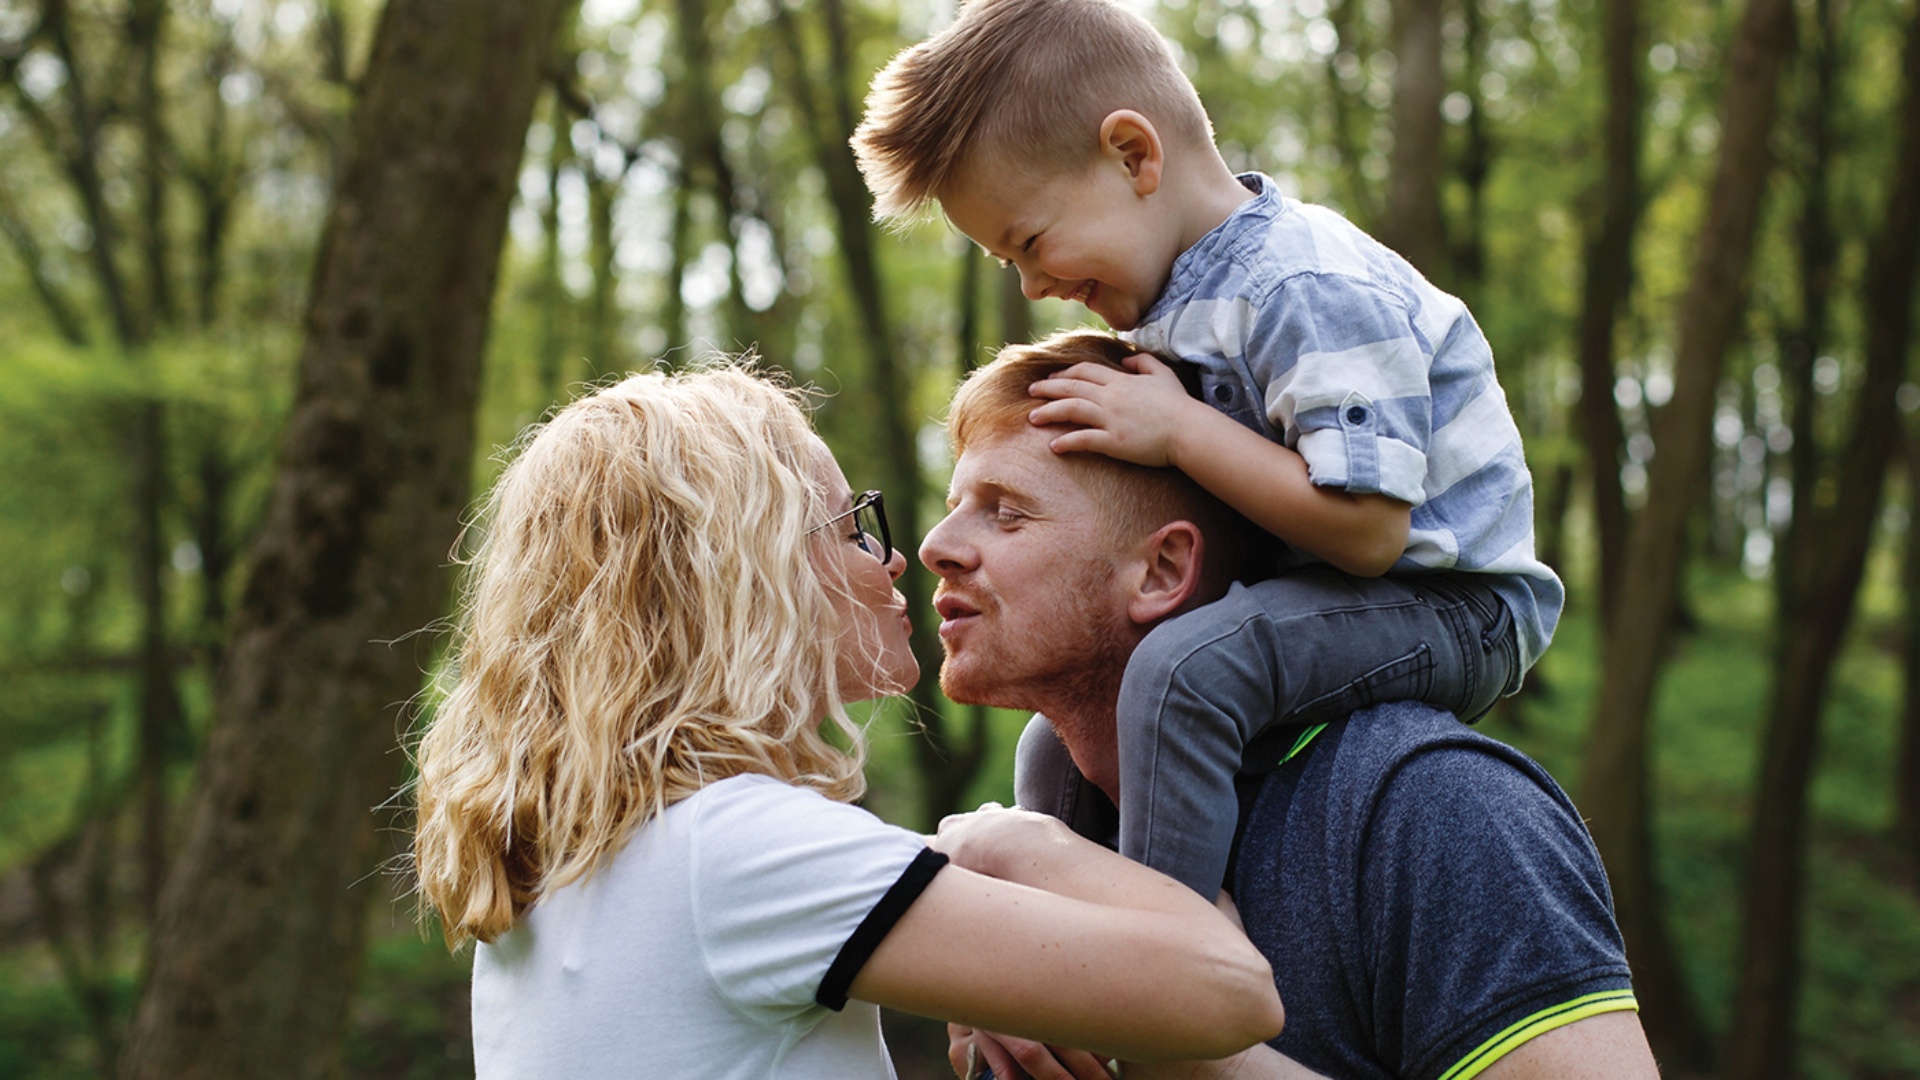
x=1350, y=408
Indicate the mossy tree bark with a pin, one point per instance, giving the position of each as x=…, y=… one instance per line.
x=1414, y=226
x=1609, y=282
x=259, y=933
x=947, y=759
x=1615, y=781
x=1820, y=582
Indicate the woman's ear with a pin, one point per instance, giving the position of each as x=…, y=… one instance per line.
x=1129, y=138
x=1170, y=562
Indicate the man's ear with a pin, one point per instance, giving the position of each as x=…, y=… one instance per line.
x=1128, y=138
x=1170, y=561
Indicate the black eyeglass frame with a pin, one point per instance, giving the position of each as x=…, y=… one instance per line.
x=869, y=514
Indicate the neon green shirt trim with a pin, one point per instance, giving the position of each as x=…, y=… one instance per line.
x=1539, y=1024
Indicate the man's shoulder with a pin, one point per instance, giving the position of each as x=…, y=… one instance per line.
x=1404, y=764
x=1431, y=888
x=1380, y=739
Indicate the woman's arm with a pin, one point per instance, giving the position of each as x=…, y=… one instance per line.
x=1038, y=933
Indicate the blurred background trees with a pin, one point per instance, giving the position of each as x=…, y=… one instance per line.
x=1689, y=231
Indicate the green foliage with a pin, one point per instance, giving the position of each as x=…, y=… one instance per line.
x=598, y=279
x=43, y=1035
x=410, y=1019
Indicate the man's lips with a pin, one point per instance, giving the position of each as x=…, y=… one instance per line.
x=953, y=611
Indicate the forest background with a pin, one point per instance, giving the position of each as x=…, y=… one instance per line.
x=280, y=282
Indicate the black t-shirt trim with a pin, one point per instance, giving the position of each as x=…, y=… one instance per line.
x=874, y=928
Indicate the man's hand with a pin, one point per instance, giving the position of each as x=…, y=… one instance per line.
x=1133, y=417
x=971, y=1051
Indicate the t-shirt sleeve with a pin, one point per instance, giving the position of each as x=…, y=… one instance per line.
x=793, y=891
x=1346, y=379
x=1485, y=915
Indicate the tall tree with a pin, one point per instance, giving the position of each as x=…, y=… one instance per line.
x=81, y=144
x=1413, y=226
x=1609, y=281
x=1906, y=769
x=259, y=933
x=1361, y=203
x=947, y=759
x=1615, y=782
x=1820, y=580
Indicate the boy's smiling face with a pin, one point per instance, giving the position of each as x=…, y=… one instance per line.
x=1087, y=235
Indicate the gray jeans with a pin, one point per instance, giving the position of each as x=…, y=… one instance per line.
x=1228, y=686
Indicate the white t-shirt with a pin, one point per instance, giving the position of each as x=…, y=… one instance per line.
x=718, y=943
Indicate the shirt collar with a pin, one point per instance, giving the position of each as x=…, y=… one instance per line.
x=1267, y=203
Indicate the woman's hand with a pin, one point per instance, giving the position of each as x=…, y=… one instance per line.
x=1034, y=931
x=997, y=841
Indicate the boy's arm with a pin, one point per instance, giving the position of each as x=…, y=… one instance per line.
x=1147, y=418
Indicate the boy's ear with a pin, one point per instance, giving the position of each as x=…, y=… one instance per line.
x=1169, y=568
x=1130, y=139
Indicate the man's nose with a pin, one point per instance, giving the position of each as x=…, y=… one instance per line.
x=942, y=550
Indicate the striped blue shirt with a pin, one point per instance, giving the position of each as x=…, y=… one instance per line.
x=1318, y=336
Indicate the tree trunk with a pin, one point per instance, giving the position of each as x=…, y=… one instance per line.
x=673, y=316
x=214, y=183
x=82, y=162
x=704, y=144
x=554, y=300
x=606, y=350
x=1362, y=205
x=1609, y=282
x=1413, y=226
x=947, y=761
x=1906, y=769
x=260, y=931
x=159, y=699
x=145, y=446
x=1615, y=779
x=146, y=22
x=1469, y=261
x=1821, y=585
x=62, y=310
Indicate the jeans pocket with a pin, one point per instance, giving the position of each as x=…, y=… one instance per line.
x=1410, y=678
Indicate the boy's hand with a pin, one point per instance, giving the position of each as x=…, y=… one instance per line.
x=1134, y=417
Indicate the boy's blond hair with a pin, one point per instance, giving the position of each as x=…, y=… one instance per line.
x=1023, y=83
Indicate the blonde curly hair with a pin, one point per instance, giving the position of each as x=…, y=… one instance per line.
x=642, y=618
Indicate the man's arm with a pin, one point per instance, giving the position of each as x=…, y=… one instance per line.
x=1610, y=1046
x=1476, y=861
x=1023, y=893
x=1021, y=1059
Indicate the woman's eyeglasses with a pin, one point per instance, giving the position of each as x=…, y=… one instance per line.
x=869, y=515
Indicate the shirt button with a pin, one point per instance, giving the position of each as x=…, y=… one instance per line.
x=1356, y=415
x=1223, y=393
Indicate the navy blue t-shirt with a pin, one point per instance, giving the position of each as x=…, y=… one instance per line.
x=1428, y=898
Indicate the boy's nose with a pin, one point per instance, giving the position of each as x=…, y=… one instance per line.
x=1034, y=284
